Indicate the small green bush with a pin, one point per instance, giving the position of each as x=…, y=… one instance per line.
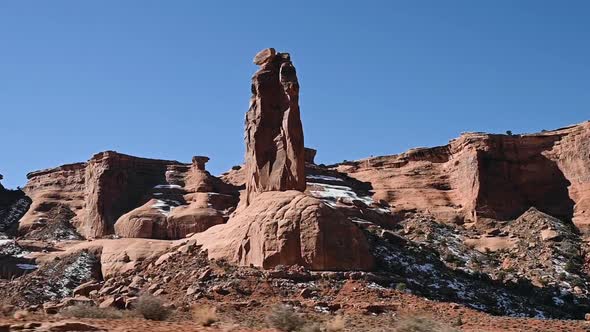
x=401, y=287
x=283, y=318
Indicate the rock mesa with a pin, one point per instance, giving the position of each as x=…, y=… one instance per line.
x=479, y=177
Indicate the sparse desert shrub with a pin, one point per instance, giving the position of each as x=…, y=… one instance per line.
x=458, y=321
x=336, y=325
x=204, y=315
x=152, y=308
x=90, y=311
x=571, y=267
x=311, y=328
x=283, y=318
x=401, y=287
x=422, y=324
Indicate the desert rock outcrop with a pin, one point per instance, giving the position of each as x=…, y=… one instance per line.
x=97, y=193
x=289, y=228
x=274, y=134
x=485, y=176
x=278, y=224
x=186, y=204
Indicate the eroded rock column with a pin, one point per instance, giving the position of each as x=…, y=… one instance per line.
x=274, y=134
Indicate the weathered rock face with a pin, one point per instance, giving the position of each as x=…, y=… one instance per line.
x=289, y=228
x=310, y=155
x=50, y=188
x=572, y=155
x=190, y=202
x=274, y=134
x=13, y=205
x=111, y=185
x=115, y=184
x=480, y=176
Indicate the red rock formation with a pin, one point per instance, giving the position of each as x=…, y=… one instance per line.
x=51, y=188
x=111, y=185
x=189, y=202
x=483, y=176
x=289, y=228
x=274, y=134
x=115, y=184
x=310, y=155
x=277, y=225
x=572, y=155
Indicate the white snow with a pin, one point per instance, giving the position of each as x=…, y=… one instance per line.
x=167, y=186
x=324, y=178
x=558, y=301
x=5, y=242
x=27, y=266
x=334, y=192
x=426, y=268
x=165, y=206
x=360, y=221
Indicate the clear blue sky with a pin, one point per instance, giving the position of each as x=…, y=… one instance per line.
x=171, y=79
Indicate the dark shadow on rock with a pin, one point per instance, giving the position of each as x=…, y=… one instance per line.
x=512, y=181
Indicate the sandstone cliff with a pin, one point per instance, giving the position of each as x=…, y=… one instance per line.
x=484, y=176
x=95, y=194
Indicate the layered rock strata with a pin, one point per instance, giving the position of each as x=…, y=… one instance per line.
x=99, y=192
x=485, y=176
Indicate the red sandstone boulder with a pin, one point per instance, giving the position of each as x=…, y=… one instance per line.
x=289, y=228
x=146, y=221
x=157, y=220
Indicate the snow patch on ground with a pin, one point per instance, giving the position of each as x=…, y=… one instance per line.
x=333, y=192
x=74, y=274
x=27, y=266
x=324, y=178
x=165, y=206
x=167, y=186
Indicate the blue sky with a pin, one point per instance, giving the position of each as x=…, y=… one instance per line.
x=171, y=79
